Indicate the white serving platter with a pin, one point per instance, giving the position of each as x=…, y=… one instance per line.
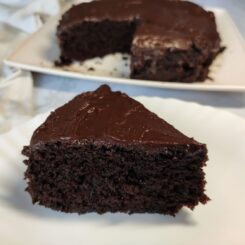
x=220, y=222
x=40, y=50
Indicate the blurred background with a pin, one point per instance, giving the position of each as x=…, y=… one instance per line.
x=24, y=94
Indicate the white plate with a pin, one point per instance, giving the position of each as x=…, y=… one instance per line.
x=40, y=51
x=220, y=222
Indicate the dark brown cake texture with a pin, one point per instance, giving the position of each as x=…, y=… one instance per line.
x=105, y=152
x=167, y=40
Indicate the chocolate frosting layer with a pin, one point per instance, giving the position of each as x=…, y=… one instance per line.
x=107, y=116
x=174, y=24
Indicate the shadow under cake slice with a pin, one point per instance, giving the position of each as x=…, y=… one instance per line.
x=105, y=152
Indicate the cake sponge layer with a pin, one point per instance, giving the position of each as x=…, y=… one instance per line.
x=90, y=177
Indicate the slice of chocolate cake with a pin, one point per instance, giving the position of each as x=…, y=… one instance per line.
x=105, y=152
x=168, y=40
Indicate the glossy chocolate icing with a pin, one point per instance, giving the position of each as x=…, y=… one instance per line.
x=161, y=23
x=106, y=116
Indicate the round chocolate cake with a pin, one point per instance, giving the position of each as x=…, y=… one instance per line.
x=168, y=40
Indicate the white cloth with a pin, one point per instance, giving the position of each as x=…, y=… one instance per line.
x=27, y=15
x=18, y=19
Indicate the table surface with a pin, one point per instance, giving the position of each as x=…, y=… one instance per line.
x=52, y=91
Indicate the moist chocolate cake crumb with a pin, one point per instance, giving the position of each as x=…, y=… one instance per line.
x=105, y=152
